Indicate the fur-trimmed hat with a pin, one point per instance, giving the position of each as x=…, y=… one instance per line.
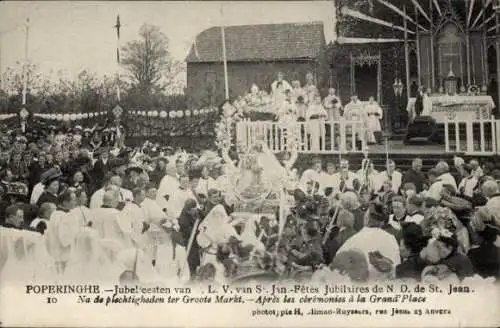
x=17, y=189
x=50, y=175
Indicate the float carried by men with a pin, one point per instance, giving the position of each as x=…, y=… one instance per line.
x=241, y=213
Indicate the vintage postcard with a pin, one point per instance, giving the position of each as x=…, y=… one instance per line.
x=250, y=163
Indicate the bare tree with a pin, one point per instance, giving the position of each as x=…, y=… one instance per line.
x=149, y=63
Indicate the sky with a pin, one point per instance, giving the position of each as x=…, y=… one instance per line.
x=72, y=36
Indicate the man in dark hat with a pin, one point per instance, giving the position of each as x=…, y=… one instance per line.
x=159, y=171
x=101, y=166
x=118, y=166
x=132, y=178
x=412, y=243
x=17, y=194
x=51, y=181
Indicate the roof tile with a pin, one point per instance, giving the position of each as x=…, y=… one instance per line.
x=259, y=42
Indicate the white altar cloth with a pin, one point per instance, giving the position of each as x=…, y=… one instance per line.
x=462, y=107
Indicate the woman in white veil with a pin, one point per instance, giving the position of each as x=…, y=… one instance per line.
x=272, y=169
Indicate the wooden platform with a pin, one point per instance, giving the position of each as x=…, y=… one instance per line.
x=397, y=147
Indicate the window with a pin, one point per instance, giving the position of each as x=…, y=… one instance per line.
x=451, y=52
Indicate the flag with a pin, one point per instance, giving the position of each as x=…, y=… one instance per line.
x=117, y=26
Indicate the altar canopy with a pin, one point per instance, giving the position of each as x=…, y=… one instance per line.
x=461, y=107
x=420, y=43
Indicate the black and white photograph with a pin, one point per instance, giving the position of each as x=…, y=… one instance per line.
x=250, y=163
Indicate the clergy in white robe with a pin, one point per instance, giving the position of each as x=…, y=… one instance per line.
x=89, y=261
x=370, y=177
x=169, y=183
x=124, y=195
x=60, y=235
x=354, y=112
x=280, y=82
x=113, y=227
x=310, y=89
x=160, y=230
x=390, y=175
x=312, y=174
x=179, y=197
x=205, y=183
x=23, y=257
x=332, y=104
x=297, y=91
x=372, y=238
x=374, y=115
x=316, y=116
x=344, y=179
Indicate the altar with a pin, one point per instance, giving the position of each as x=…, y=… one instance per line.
x=462, y=107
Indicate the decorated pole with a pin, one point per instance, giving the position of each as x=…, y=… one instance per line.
x=467, y=51
x=117, y=110
x=224, y=55
x=24, y=112
x=433, y=68
x=117, y=27
x=25, y=70
x=407, y=56
x=485, y=50
x=417, y=46
x=497, y=46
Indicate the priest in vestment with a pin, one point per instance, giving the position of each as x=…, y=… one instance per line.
x=278, y=89
x=113, y=227
x=316, y=116
x=310, y=89
x=179, y=197
x=297, y=91
x=22, y=252
x=169, y=183
x=280, y=82
x=332, y=104
x=62, y=230
x=160, y=246
x=354, y=111
x=374, y=115
x=344, y=178
x=391, y=176
x=206, y=182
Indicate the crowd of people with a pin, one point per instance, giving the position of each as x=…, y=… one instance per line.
x=70, y=211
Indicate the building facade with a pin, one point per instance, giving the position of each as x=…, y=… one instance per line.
x=255, y=54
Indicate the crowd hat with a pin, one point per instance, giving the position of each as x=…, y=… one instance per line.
x=377, y=212
x=134, y=167
x=117, y=162
x=50, y=175
x=17, y=189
